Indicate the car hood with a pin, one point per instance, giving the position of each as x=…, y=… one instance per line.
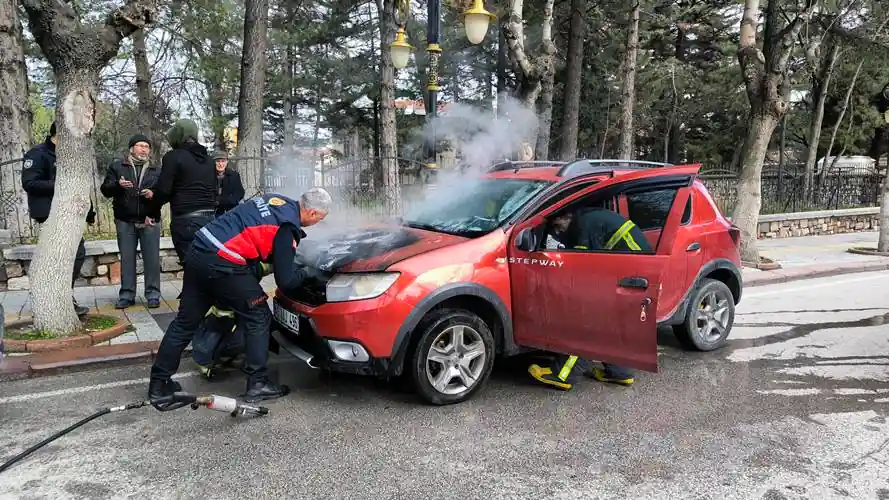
x=369, y=248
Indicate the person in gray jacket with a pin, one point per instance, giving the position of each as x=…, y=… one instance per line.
x=136, y=219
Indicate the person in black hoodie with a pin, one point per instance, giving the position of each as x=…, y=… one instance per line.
x=136, y=219
x=229, y=188
x=39, y=182
x=188, y=183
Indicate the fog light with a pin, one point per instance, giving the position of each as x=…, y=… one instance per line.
x=348, y=351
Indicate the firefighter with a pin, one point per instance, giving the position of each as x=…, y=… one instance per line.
x=591, y=229
x=218, y=272
x=39, y=181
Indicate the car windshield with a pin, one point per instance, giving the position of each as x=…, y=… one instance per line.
x=475, y=209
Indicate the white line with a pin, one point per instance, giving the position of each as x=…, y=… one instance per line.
x=77, y=390
x=882, y=275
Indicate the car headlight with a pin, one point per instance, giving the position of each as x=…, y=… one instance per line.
x=358, y=286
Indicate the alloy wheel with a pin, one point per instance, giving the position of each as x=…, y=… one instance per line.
x=455, y=360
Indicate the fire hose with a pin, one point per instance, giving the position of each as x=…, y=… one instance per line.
x=173, y=402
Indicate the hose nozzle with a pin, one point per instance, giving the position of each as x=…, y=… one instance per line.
x=229, y=405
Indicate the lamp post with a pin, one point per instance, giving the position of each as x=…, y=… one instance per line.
x=475, y=22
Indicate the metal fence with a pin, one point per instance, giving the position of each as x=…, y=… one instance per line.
x=357, y=187
x=782, y=189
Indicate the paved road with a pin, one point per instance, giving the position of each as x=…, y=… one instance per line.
x=796, y=407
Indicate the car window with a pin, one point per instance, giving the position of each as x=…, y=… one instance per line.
x=649, y=209
x=686, y=215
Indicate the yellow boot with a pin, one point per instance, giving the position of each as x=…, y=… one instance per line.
x=546, y=376
x=600, y=375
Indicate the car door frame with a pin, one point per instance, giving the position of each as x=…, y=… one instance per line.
x=680, y=177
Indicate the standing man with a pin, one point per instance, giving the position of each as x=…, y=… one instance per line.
x=229, y=189
x=591, y=229
x=136, y=219
x=219, y=269
x=39, y=181
x=188, y=183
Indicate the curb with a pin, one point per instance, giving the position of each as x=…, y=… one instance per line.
x=77, y=359
x=77, y=341
x=803, y=273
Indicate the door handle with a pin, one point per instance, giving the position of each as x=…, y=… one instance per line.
x=634, y=282
x=694, y=246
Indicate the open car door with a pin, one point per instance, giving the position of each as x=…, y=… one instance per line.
x=593, y=303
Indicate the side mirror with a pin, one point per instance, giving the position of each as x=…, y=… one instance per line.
x=526, y=241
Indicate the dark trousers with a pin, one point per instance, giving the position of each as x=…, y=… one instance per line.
x=573, y=366
x=209, y=280
x=148, y=239
x=183, y=227
x=79, y=257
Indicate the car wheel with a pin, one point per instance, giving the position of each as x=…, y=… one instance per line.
x=453, y=356
x=710, y=316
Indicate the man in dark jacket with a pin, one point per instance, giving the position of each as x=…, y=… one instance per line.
x=136, y=219
x=229, y=189
x=219, y=269
x=188, y=183
x=591, y=229
x=39, y=181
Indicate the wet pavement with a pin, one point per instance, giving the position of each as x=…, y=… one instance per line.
x=795, y=407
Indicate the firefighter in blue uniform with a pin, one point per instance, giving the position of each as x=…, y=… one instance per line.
x=39, y=181
x=219, y=272
x=591, y=229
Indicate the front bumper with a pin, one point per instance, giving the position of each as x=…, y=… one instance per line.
x=322, y=354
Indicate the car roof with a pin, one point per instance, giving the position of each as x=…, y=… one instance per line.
x=555, y=171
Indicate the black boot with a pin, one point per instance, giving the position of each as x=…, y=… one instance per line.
x=160, y=388
x=265, y=389
x=80, y=310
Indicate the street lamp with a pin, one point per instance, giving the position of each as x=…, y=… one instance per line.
x=475, y=21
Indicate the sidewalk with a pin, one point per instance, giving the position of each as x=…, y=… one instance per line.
x=801, y=258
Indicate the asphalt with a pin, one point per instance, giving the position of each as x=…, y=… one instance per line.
x=795, y=407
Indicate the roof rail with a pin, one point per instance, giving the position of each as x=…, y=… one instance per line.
x=517, y=164
x=584, y=166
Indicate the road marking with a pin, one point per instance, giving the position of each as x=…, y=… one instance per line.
x=882, y=275
x=78, y=390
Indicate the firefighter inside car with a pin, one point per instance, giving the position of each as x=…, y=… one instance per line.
x=589, y=228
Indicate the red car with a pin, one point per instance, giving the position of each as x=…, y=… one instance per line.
x=472, y=275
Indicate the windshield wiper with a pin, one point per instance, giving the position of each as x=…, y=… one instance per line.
x=418, y=225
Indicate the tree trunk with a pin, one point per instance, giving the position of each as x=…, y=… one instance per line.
x=746, y=213
x=252, y=89
x=77, y=52
x=147, y=122
x=289, y=104
x=819, y=92
x=545, y=114
x=629, y=85
x=15, y=115
x=50, y=272
x=836, y=126
x=573, y=81
x=388, y=132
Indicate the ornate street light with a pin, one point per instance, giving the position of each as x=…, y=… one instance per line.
x=475, y=21
x=401, y=50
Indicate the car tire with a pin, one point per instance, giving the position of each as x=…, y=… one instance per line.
x=434, y=352
x=709, y=318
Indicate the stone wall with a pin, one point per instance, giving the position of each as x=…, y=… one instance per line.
x=101, y=266
x=816, y=223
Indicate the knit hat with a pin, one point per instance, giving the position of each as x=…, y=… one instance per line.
x=182, y=130
x=52, y=129
x=138, y=138
x=221, y=155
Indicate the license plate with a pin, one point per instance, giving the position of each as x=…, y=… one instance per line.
x=286, y=318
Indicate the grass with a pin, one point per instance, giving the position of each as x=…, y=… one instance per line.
x=91, y=323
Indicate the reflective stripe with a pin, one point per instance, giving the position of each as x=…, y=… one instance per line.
x=567, y=367
x=632, y=243
x=619, y=235
x=218, y=244
x=219, y=313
